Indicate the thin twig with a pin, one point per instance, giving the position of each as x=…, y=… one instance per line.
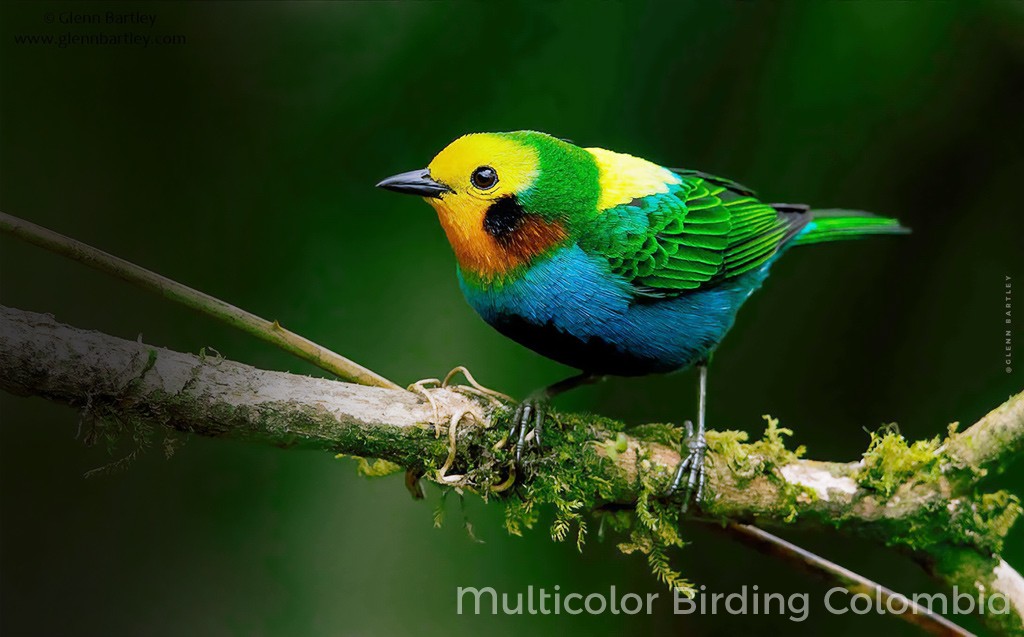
x=895, y=603
x=269, y=331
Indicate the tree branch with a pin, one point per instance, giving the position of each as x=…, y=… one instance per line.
x=992, y=443
x=815, y=565
x=922, y=498
x=269, y=331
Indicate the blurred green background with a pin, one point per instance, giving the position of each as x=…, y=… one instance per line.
x=242, y=162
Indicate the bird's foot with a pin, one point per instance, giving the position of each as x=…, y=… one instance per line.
x=690, y=473
x=527, y=424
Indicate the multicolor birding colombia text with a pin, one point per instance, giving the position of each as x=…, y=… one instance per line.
x=609, y=263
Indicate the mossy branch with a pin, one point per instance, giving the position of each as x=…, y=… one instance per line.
x=921, y=498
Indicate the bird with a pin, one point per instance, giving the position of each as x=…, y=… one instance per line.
x=609, y=263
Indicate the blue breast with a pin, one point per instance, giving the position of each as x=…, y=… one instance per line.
x=571, y=308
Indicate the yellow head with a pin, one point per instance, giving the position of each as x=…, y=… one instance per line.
x=497, y=197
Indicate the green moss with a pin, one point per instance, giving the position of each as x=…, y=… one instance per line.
x=661, y=433
x=107, y=426
x=890, y=461
x=654, y=529
x=614, y=446
x=747, y=460
x=981, y=521
x=568, y=481
x=973, y=519
x=772, y=447
x=373, y=467
x=997, y=512
x=763, y=458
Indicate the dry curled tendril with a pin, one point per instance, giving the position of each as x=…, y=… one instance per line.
x=427, y=388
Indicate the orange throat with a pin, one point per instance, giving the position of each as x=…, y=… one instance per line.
x=481, y=254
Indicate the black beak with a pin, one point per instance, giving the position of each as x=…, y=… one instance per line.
x=415, y=182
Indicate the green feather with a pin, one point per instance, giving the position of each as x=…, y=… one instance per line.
x=703, y=233
x=836, y=225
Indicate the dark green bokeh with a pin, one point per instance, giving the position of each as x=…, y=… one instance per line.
x=242, y=163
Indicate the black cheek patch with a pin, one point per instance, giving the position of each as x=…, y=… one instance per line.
x=503, y=218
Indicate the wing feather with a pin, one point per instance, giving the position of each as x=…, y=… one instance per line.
x=704, y=230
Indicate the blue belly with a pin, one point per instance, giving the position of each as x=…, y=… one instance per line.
x=572, y=309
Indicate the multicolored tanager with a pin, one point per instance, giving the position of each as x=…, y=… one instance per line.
x=609, y=263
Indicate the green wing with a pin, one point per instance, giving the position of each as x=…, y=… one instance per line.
x=702, y=231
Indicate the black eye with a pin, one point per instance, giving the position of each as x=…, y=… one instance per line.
x=484, y=177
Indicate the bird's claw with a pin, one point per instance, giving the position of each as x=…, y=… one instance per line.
x=527, y=424
x=692, y=467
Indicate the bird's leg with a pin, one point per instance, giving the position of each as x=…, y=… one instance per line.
x=529, y=414
x=692, y=466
